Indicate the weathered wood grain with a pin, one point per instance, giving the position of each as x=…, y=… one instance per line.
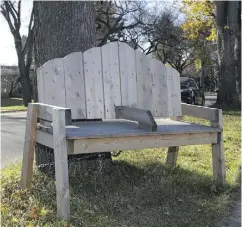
x=218, y=152
x=61, y=164
x=45, y=112
x=94, y=83
x=141, y=142
x=172, y=153
x=75, y=85
x=202, y=112
x=143, y=117
x=126, y=128
x=111, y=78
x=29, y=143
x=54, y=82
x=159, y=89
x=144, y=80
x=128, y=75
x=40, y=84
x=176, y=93
x=172, y=156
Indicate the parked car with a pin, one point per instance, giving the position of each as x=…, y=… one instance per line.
x=191, y=93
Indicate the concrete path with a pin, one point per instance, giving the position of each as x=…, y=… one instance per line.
x=233, y=219
x=12, y=137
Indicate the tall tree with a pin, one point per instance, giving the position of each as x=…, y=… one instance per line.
x=199, y=26
x=12, y=13
x=218, y=20
x=62, y=28
x=228, y=23
x=116, y=18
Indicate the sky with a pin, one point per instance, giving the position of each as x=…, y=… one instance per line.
x=8, y=54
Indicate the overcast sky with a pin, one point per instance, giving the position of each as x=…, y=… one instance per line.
x=8, y=54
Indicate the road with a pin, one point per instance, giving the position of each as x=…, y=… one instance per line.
x=12, y=136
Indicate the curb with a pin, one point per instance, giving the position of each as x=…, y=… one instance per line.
x=11, y=111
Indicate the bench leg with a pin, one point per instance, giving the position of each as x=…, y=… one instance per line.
x=218, y=160
x=172, y=156
x=29, y=143
x=61, y=164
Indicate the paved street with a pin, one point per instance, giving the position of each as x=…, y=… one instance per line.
x=12, y=137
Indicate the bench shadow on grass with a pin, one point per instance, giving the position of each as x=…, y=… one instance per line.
x=125, y=195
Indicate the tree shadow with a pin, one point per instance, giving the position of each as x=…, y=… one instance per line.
x=128, y=195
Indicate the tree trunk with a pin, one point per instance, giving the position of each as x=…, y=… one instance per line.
x=11, y=90
x=25, y=81
x=203, y=74
x=62, y=28
x=227, y=33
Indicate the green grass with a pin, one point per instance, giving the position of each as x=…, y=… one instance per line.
x=12, y=104
x=138, y=190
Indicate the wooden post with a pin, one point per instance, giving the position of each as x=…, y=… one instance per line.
x=29, y=143
x=61, y=163
x=218, y=152
x=172, y=153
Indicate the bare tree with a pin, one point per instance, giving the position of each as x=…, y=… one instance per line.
x=11, y=11
x=9, y=82
x=115, y=19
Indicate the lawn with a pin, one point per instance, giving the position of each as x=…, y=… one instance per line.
x=137, y=190
x=12, y=105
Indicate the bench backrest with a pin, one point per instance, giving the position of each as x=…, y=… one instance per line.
x=92, y=83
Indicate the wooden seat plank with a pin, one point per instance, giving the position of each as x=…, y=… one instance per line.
x=125, y=128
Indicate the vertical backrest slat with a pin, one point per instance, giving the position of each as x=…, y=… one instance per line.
x=54, y=82
x=170, y=90
x=144, y=80
x=128, y=75
x=111, y=78
x=93, y=83
x=174, y=96
x=40, y=84
x=177, y=93
x=159, y=89
x=74, y=85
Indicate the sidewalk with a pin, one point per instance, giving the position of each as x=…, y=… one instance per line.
x=233, y=219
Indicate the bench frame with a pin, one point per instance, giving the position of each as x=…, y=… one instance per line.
x=61, y=117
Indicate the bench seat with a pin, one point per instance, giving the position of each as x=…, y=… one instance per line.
x=112, y=135
x=124, y=128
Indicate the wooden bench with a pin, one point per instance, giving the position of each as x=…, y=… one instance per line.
x=138, y=99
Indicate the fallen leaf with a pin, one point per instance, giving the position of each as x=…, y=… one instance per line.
x=89, y=211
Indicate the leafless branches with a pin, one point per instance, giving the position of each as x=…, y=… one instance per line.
x=11, y=11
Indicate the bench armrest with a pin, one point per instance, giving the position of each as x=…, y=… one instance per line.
x=45, y=112
x=143, y=117
x=212, y=114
